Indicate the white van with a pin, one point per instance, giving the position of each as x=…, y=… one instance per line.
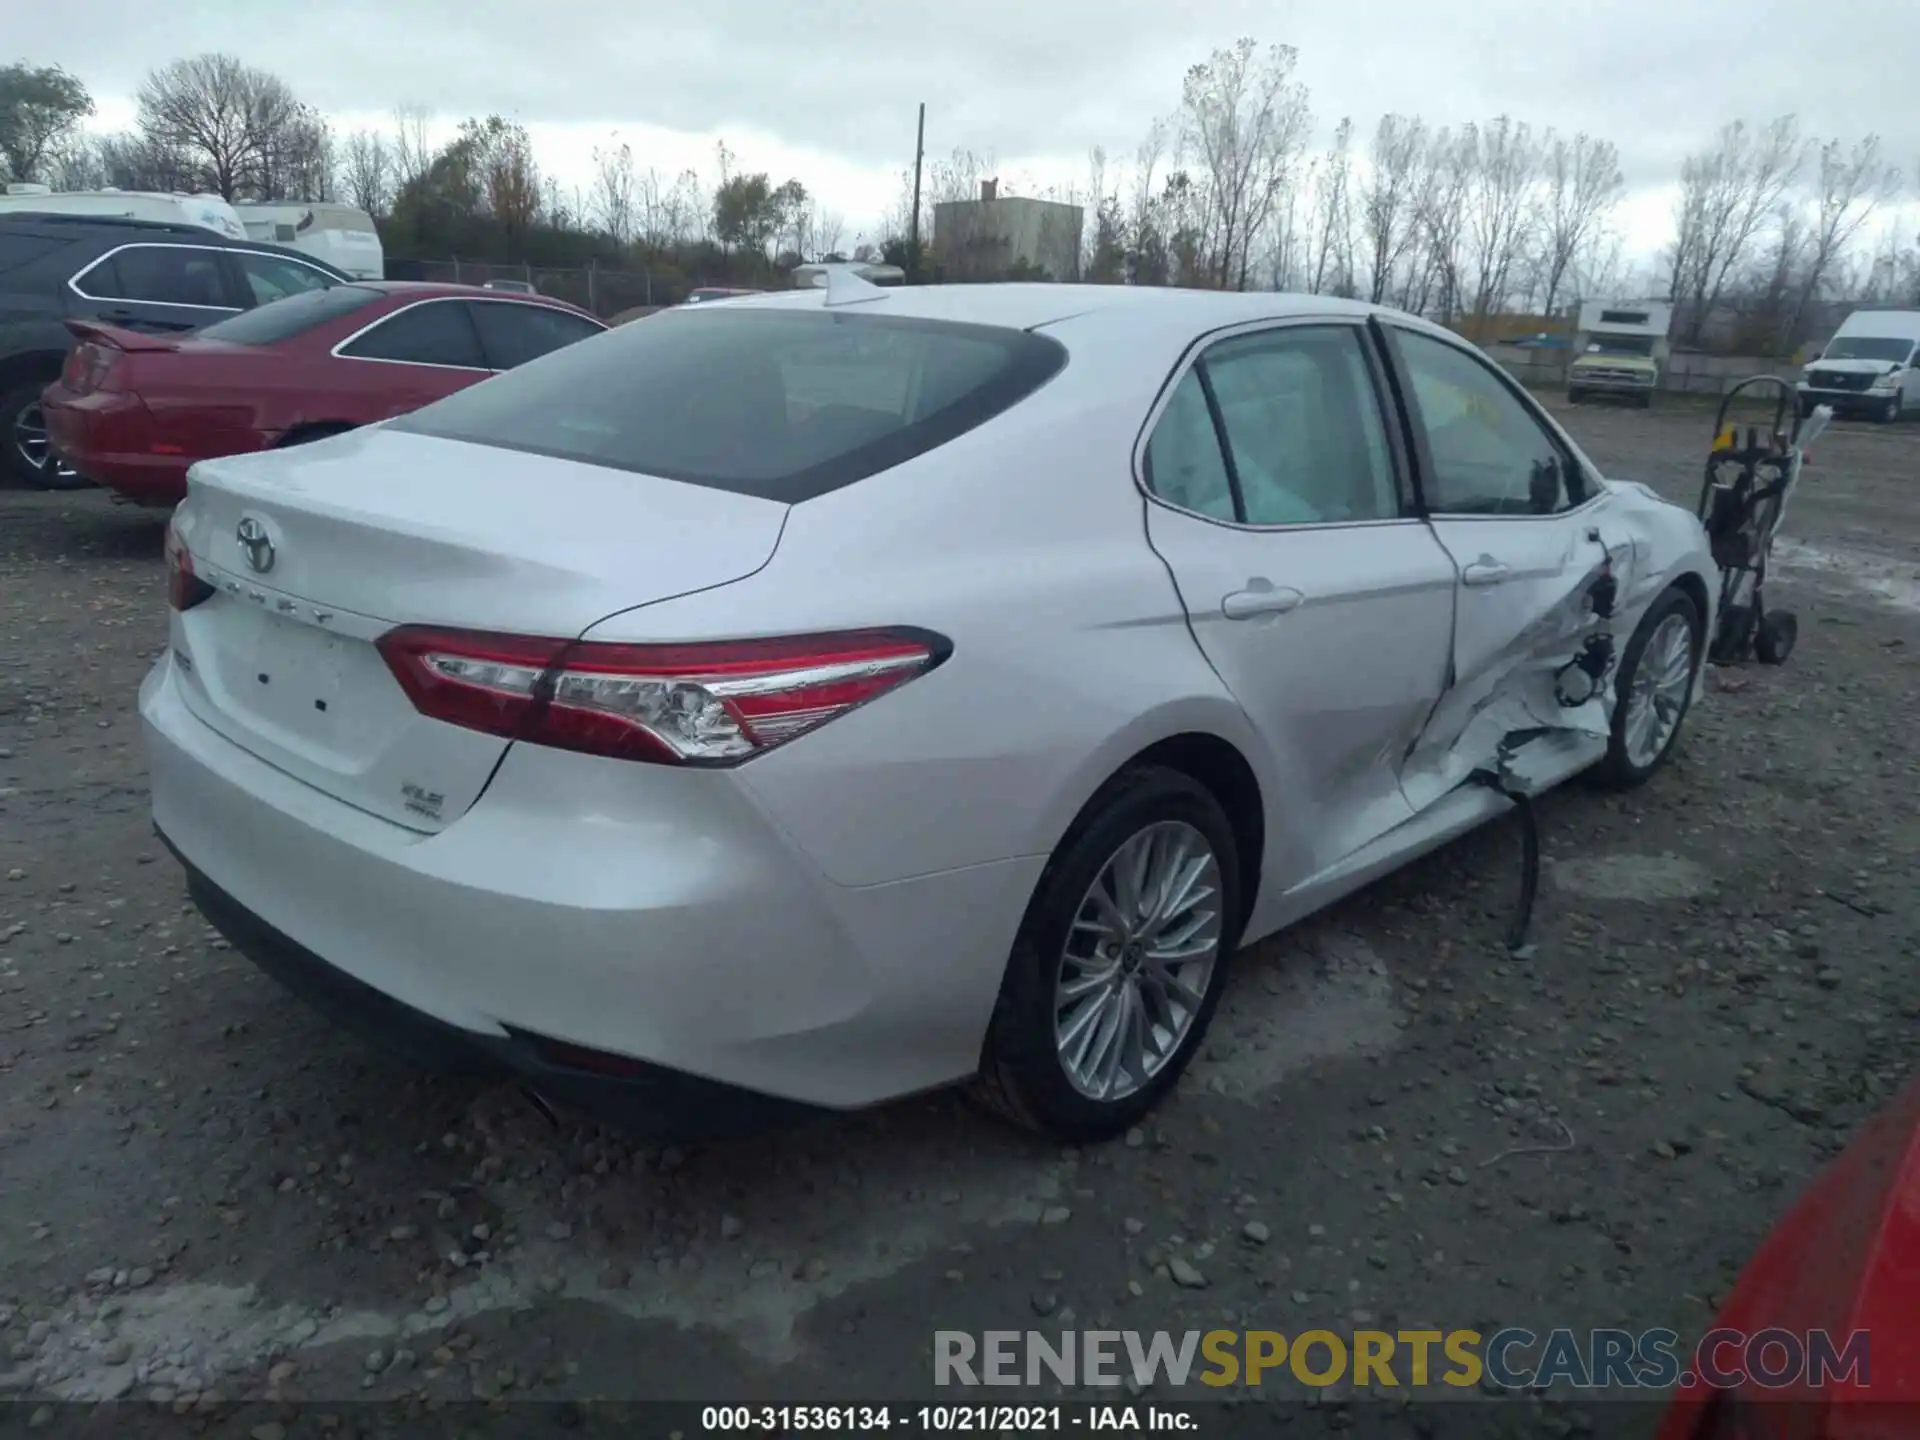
x=1869, y=367
x=209, y=212
x=338, y=234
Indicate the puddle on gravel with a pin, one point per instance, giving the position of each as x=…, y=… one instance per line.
x=1630, y=877
x=1894, y=583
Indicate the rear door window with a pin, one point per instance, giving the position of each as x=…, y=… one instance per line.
x=784, y=404
x=437, y=332
x=161, y=275
x=514, y=333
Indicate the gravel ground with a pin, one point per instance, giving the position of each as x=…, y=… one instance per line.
x=209, y=1196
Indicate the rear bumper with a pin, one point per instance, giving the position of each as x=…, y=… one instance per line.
x=648, y=1100
x=634, y=911
x=106, y=436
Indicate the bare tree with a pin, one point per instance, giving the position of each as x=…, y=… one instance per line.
x=221, y=116
x=297, y=161
x=367, y=171
x=1583, y=187
x=615, y=198
x=1244, y=120
x=1446, y=176
x=1332, y=240
x=1388, y=221
x=1849, y=186
x=1727, y=192
x=1500, y=196
x=825, y=228
x=413, y=151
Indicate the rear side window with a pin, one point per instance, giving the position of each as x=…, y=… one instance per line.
x=161, y=275
x=295, y=315
x=435, y=333
x=274, y=277
x=782, y=404
x=513, y=334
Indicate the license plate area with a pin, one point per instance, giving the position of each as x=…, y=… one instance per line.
x=296, y=686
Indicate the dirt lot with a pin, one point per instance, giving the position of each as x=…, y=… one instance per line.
x=207, y=1192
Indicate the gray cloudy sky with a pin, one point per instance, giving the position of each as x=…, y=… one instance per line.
x=827, y=93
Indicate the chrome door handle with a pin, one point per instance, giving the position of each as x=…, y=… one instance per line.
x=1267, y=600
x=1485, y=572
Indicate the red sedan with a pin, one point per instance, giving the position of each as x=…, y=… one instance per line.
x=132, y=411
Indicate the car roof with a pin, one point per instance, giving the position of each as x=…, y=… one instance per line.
x=1155, y=315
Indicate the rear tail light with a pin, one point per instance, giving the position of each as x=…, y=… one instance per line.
x=90, y=366
x=700, y=704
x=184, y=588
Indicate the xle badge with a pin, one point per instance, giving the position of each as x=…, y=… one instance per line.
x=422, y=802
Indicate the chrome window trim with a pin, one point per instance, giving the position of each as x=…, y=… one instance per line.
x=501, y=299
x=73, y=281
x=1198, y=348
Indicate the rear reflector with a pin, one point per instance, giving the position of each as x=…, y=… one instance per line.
x=702, y=704
x=184, y=589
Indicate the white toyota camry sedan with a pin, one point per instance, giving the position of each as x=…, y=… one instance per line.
x=793, y=704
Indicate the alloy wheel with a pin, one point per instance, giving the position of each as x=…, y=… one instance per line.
x=1138, y=962
x=30, y=440
x=1658, y=694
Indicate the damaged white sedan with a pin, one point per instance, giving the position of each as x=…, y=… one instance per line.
x=797, y=703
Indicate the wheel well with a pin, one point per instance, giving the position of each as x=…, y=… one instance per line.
x=1216, y=764
x=1695, y=589
x=18, y=369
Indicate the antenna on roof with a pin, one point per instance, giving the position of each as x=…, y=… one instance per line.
x=847, y=286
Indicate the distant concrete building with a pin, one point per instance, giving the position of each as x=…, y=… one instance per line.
x=998, y=235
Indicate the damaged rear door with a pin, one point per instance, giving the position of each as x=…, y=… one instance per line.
x=1539, y=560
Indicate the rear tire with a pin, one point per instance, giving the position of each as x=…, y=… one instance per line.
x=1166, y=822
x=26, y=458
x=1773, y=641
x=1628, y=764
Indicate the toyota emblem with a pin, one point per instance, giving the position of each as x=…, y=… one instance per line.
x=254, y=541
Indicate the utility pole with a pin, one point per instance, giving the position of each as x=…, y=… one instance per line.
x=919, y=154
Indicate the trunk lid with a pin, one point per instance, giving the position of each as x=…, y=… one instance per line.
x=315, y=551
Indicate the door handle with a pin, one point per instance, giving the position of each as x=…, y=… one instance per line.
x=1260, y=599
x=1485, y=571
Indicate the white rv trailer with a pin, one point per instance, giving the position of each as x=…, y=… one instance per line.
x=341, y=235
x=209, y=212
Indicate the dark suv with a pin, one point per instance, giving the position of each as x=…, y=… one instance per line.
x=137, y=274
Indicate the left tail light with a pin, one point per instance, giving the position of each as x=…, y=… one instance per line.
x=184, y=588
x=90, y=366
x=699, y=704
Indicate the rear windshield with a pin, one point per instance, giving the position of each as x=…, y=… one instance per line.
x=279, y=320
x=783, y=404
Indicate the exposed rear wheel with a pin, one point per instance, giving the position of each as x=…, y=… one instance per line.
x=1120, y=961
x=28, y=458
